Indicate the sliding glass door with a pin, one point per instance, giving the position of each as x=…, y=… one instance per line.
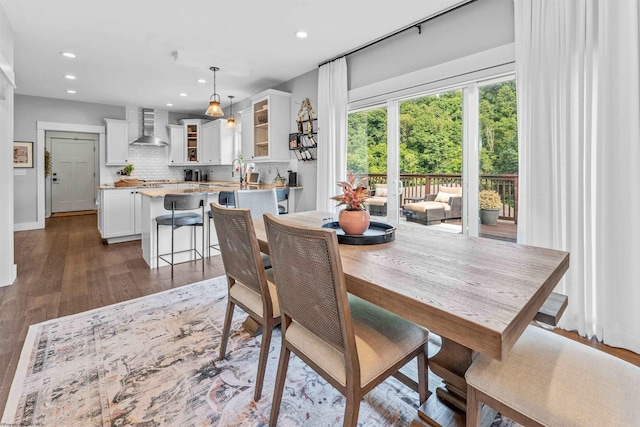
x=431, y=158
x=498, y=160
x=367, y=155
x=428, y=156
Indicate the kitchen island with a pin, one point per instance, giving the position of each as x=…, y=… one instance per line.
x=153, y=206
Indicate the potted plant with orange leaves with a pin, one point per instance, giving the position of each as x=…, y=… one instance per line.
x=354, y=218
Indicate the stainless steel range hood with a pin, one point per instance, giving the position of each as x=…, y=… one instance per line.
x=147, y=138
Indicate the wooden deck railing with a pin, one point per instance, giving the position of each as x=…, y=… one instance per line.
x=416, y=185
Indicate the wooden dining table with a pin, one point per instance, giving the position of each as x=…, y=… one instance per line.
x=477, y=294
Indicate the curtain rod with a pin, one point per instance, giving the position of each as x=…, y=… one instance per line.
x=417, y=24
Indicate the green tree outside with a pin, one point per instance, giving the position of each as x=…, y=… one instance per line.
x=431, y=134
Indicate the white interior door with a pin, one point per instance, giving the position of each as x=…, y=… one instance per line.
x=72, y=175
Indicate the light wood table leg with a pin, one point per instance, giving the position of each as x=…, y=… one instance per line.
x=447, y=407
x=250, y=325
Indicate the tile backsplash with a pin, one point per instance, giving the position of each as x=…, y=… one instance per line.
x=151, y=163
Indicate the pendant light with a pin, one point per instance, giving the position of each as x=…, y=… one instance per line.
x=231, y=121
x=214, y=109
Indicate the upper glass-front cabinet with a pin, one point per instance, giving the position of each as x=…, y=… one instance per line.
x=267, y=127
x=192, y=132
x=261, y=128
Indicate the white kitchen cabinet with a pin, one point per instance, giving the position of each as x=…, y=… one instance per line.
x=121, y=214
x=216, y=143
x=192, y=140
x=265, y=130
x=207, y=133
x=177, y=151
x=117, y=146
x=137, y=212
x=118, y=213
x=246, y=136
x=186, y=143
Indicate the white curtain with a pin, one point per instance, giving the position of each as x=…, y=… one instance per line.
x=577, y=65
x=332, y=131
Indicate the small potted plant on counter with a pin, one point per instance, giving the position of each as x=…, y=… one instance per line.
x=490, y=205
x=127, y=170
x=354, y=218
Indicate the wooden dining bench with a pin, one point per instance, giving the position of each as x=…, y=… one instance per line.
x=550, y=380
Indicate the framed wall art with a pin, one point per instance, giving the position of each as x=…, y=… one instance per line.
x=22, y=154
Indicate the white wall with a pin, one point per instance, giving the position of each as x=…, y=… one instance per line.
x=7, y=83
x=304, y=86
x=476, y=27
x=28, y=111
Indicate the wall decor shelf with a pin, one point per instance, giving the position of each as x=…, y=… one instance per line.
x=305, y=141
x=304, y=145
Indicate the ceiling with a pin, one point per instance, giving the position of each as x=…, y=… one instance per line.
x=147, y=52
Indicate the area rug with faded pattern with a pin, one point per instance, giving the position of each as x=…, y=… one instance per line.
x=151, y=362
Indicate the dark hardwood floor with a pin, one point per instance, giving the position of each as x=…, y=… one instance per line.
x=65, y=269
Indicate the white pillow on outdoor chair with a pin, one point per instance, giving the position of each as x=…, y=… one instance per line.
x=443, y=197
x=381, y=191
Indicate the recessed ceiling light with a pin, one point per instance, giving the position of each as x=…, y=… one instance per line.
x=71, y=91
x=68, y=54
x=301, y=34
x=202, y=81
x=70, y=77
x=169, y=104
x=183, y=94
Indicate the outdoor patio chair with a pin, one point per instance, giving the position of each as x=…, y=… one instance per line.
x=378, y=201
x=435, y=208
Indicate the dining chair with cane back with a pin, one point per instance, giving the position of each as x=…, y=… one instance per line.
x=353, y=344
x=250, y=286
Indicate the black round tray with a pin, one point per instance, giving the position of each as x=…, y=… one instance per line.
x=378, y=232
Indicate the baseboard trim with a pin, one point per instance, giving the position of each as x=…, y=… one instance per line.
x=24, y=226
x=121, y=239
x=13, y=275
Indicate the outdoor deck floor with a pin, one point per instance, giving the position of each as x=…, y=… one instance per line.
x=503, y=230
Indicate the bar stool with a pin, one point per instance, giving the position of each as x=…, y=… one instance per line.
x=258, y=202
x=282, y=195
x=226, y=199
x=175, y=203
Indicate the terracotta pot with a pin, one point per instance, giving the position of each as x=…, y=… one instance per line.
x=353, y=222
